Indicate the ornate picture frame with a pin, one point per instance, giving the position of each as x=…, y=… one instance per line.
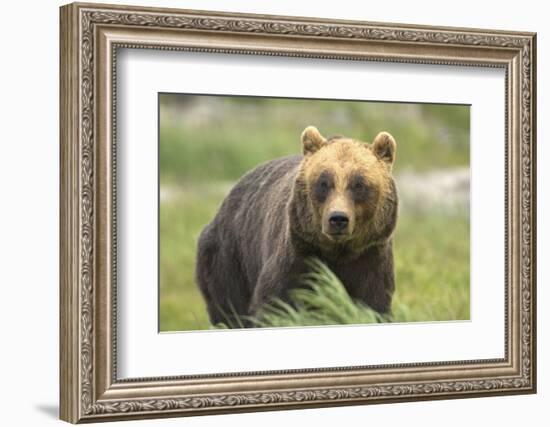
x=90, y=37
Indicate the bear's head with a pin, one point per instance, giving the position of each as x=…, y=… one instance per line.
x=344, y=196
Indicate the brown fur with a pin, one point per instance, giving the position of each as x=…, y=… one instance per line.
x=279, y=214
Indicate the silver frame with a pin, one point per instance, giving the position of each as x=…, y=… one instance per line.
x=90, y=37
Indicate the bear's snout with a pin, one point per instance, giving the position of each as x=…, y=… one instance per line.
x=338, y=217
x=338, y=222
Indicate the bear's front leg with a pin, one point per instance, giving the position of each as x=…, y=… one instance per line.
x=278, y=276
x=370, y=278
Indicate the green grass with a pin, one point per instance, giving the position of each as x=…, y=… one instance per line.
x=432, y=267
x=323, y=300
x=181, y=305
x=249, y=131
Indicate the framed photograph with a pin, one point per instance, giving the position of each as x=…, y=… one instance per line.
x=267, y=212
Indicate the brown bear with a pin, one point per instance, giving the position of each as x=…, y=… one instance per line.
x=337, y=202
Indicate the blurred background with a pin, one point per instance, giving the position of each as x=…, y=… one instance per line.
x=208, y=142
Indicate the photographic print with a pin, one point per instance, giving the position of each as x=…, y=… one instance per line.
x=287, y=212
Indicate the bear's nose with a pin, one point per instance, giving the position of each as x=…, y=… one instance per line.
x=338, y=221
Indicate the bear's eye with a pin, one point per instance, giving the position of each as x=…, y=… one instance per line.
x=359, y=188
x=323, y=186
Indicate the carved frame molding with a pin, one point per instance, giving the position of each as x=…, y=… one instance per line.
x=90, y=37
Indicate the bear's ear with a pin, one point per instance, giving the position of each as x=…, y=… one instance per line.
x=384, y=147
x=312, y=140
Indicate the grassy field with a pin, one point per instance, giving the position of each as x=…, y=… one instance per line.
x=229, y=136
x=206, y=146
x=432, y=263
